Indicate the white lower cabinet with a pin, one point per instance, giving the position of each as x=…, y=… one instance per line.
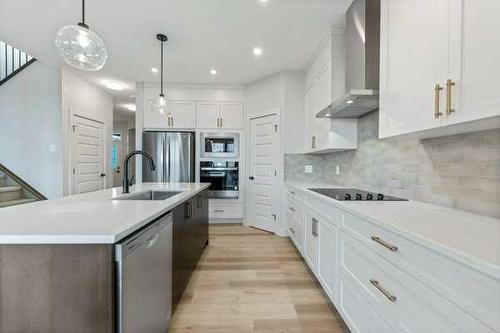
x=327, y=257
x=406, y=303
x=311, y=240
x=356, y=311
x=383, y=282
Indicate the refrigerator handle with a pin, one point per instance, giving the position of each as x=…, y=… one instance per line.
x=166, y=171
x=163, y=167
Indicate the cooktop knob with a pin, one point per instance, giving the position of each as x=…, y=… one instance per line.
x=369, y=196
x=347, y=196
x=380, y=196
x=359, y=196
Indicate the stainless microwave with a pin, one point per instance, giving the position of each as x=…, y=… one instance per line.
x=219, y=145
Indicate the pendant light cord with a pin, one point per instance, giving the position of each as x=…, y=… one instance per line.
x=83, y=12
x=161, y=68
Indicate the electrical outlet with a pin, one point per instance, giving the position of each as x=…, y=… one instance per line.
x=337, y=169
x=308, y=169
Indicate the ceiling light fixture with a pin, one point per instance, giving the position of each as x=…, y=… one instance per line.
x=160, y=103
x=154, y=70
x=257, y=51
x=80, y=47
x=130, y=107
x=114, y=85
x=349, y=101
x=263, y=1
x=213, y=71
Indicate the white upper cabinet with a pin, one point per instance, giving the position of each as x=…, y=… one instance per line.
x=220, y=115
x=325, y=82
x=182, y=115
x=207, y=114
x=438, y=66
x=231, y=114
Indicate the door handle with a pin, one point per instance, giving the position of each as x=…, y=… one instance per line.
x=437, y=90
x=314, y=227
x=449, y=85
x=104, y=175
x=251, y=177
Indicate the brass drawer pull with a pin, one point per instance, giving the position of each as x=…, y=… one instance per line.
x=437, y=90
x=449, y=85
x=292, y=209
x=218, y=210
x=384, y=243
x=292, y=192
x=387, y=294
x=291, y=230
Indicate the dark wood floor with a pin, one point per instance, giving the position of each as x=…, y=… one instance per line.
x=252, y=281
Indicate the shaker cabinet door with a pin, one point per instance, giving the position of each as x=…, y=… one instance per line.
x=413, y=59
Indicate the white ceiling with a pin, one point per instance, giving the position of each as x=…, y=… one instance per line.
x=202, y=34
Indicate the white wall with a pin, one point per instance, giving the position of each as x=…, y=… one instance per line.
x=84, y=99
x=30, y=128
x=283, y=91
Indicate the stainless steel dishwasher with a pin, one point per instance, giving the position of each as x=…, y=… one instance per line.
x=144, y=273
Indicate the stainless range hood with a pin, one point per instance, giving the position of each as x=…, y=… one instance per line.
x=362, y=62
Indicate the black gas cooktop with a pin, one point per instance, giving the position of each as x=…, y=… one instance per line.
x=353, y=194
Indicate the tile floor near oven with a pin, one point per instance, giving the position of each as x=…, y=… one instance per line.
x=252, y=281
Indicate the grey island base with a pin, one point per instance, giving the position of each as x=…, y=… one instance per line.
x=72, y=287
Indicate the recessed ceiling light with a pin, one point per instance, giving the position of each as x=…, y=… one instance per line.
x=349, y=101
x=327, y=115
x=154, y=70
x=257, y=51
x=130, y=107
x=114, y=85
x=263, y=1
x=213, y=71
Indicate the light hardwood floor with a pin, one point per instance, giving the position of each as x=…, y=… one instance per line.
x=252, y=281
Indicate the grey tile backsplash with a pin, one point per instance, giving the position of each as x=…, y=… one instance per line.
x=459, y=171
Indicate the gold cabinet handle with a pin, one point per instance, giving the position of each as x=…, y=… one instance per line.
x=449, y=85
x=384, y=243
x=387, y=294
x=292, y=209
x=291, y=230
x=437, y=90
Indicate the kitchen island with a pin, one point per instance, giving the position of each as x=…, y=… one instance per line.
x=57, y=257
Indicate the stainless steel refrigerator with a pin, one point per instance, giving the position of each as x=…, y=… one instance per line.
x=174, y=156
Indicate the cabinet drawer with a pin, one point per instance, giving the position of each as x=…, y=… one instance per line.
x=225, y=211
x=358, y=315
x=405, y=301
x=295, y=208
x=473, y=291
x=294, y=193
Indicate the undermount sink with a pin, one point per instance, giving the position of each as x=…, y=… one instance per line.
x=150, y=195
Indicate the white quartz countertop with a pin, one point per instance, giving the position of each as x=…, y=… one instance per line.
x=469, y=238
x=90, y=218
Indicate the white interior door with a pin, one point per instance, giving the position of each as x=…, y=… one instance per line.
x=87, y=155
x=264, y=161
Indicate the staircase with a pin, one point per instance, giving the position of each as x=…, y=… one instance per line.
x=14, y=191
x=12, y=61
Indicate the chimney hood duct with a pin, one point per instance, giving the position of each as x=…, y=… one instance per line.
x=362, y=62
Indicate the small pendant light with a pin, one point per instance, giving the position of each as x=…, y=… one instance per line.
x=160, y=103
x=80, y=47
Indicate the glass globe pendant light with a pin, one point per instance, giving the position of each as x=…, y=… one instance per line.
x=160, y=103
x=80, y=47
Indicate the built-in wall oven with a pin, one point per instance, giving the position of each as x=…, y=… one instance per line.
x=223, y=177
x=219, y=145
